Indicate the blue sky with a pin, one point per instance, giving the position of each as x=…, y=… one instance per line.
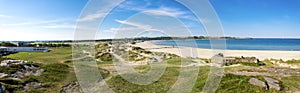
x=57, y=19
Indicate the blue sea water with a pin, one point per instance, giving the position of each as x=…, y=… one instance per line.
x=248, y=44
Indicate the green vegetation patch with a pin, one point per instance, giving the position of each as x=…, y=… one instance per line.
x=54, y=56
x=105, y=57
x=293, y=61
x=55, y=72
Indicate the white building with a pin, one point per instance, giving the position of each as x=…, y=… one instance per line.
x=24, y=49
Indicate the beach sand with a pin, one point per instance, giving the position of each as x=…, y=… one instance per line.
x=208, y=53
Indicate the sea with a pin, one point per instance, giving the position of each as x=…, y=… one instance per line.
x=242, y=44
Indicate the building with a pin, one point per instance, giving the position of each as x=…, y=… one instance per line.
x=24, y=49
x=24, y=44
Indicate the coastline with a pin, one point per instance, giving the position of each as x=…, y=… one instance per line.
x=208, y=53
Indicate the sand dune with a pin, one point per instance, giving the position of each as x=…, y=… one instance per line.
x=208, y=53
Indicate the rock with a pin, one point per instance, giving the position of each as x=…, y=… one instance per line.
x=18, y=75
x=34, y=85
x=272, y=83
x=242, y=59
x=218, y=60
x=72, y=87
x=12, y=62
x=35, y=73
x=257, y=82
x=29, y=67
x=153, y=60
x=2, y=89
x=38, y=72
x=2, y=75
x=271, y=80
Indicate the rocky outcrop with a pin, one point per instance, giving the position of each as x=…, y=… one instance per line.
x=17, y=70
x=72, y=87
x=21, y=68
x=257, y=82
x=242, y=59
x=272, y=83
x=12, y=62
x=33, y=85
x=269, y=84
x=2, y=75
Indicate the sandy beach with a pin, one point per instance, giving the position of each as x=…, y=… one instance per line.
x=208, y=53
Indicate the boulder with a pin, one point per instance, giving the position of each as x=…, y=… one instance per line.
x=218, y=60
x=257, y=82
x=272, y=83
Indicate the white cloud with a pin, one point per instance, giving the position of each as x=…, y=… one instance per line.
x=5, y=16
x=60, y=26
x=102, y=11
x=34, y=22
x=166, y=11
x=92, y=16
x=137, y=25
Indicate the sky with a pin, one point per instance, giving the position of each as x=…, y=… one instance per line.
x=26, y=20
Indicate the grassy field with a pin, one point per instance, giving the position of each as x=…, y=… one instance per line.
x=59, y=72
x=56, y=55
x=229, y=83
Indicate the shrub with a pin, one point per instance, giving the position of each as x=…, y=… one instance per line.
x=105, y=57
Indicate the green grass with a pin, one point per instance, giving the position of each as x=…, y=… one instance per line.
x=57, y=65
x=293, y=62
x=291, y=83
x=105, y=57
x=239, y=84
x=120, y=85
x=59, y=71
x=54, y=56
x=247, y=64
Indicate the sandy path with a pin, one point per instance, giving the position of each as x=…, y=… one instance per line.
x=208, y=53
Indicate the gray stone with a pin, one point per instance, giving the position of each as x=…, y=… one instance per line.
x=272, y=83
x=34, y=85
x=12, y=62
x=2, y=75
x=35, y=73
x=29, y=67
x=257, y=82
x=271, y=80
x=38, y=72
x=218, y=60
x=72, y=87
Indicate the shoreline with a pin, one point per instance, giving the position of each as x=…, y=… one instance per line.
x=208, y=53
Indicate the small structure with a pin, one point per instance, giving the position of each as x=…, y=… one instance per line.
x=4, y=51
x=24, y=49
x=24, y=44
